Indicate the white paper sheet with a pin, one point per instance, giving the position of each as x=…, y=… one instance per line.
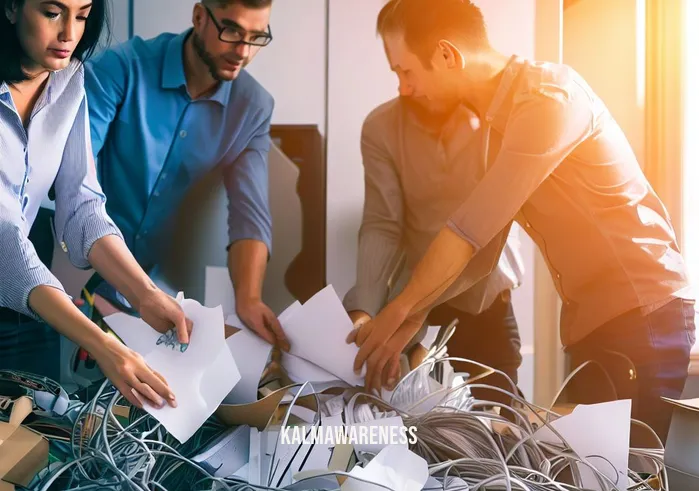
x=334, y=406
x=321, y=318
x=256, y=474
x=218, y=290
x=451, y=483
x=200, y=377
x=600, y=434
x=395, y=467
x=317, y=333
x=430, y=336
x=300, y=370
x=289, y=312
x=251, y=353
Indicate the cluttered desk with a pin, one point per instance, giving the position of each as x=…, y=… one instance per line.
x=251, y=417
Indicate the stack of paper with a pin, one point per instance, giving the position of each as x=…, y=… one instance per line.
x=200, y=376
x=316, y=332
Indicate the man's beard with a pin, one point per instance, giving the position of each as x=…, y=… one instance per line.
x=207, y=58
x=428, y=114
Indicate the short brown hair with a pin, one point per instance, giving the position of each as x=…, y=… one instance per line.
x=425, y=22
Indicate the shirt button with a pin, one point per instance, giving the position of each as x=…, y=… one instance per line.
x=529, y=225
x=64, y=247
x=164, y=175
x=558, y=275
x=183, y=134
x=156, y=193
x=138, y=237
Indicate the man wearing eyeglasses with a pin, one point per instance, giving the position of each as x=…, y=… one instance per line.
x=166, y=111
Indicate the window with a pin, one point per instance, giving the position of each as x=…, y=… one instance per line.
x=691, y=140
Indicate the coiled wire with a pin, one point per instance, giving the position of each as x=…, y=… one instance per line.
x=456, y=438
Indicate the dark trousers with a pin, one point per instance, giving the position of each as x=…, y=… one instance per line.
x=32, y=347
x=28, y=345
x=646, y=357
x=490, y=338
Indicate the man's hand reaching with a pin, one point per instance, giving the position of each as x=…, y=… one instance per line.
x=381, y=342
x=258, y=317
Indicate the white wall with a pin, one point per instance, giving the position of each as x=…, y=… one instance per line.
x=359, y=80
x=119, y=10
x=599, y=41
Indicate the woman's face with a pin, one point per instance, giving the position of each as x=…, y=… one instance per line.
x=49, y=31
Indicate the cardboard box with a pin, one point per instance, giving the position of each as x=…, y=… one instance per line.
x=682, y=447
x=23, y=452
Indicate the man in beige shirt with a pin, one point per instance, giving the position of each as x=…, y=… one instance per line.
x=419, y=166
x=559, y=164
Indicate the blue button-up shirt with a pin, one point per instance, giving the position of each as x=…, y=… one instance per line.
x=153, y=142
x=55, y=147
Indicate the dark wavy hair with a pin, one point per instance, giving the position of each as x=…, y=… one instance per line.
x=11, y=52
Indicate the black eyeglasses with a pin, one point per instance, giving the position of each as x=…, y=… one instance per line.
x=237, y=35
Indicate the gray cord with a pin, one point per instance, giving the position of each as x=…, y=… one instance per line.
x=456, y=438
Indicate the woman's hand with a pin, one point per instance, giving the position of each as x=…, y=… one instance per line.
x=114, y=262
x=130, y=374
x=125, y=368
x=162, y=312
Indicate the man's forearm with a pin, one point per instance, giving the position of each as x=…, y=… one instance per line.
x=441, y=265
x=114, y=262
x=247, y=263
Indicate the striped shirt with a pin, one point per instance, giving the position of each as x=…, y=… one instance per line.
x=54, y=148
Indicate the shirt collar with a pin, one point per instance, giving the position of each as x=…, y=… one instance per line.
x=4, y=92
x=173, y=70
x=457, y=118
x=508, y=77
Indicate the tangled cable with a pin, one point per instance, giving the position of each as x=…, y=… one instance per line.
x=108, y=454
x=466, y=443
x=457, y=439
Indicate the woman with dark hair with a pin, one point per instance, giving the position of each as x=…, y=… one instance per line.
x=45, y=142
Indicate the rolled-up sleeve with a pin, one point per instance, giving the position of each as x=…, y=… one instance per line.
x=545, y=125
x=380, y=234
x=106, y=79
x=81, y=216
x=247, y=185
x=20, y=265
